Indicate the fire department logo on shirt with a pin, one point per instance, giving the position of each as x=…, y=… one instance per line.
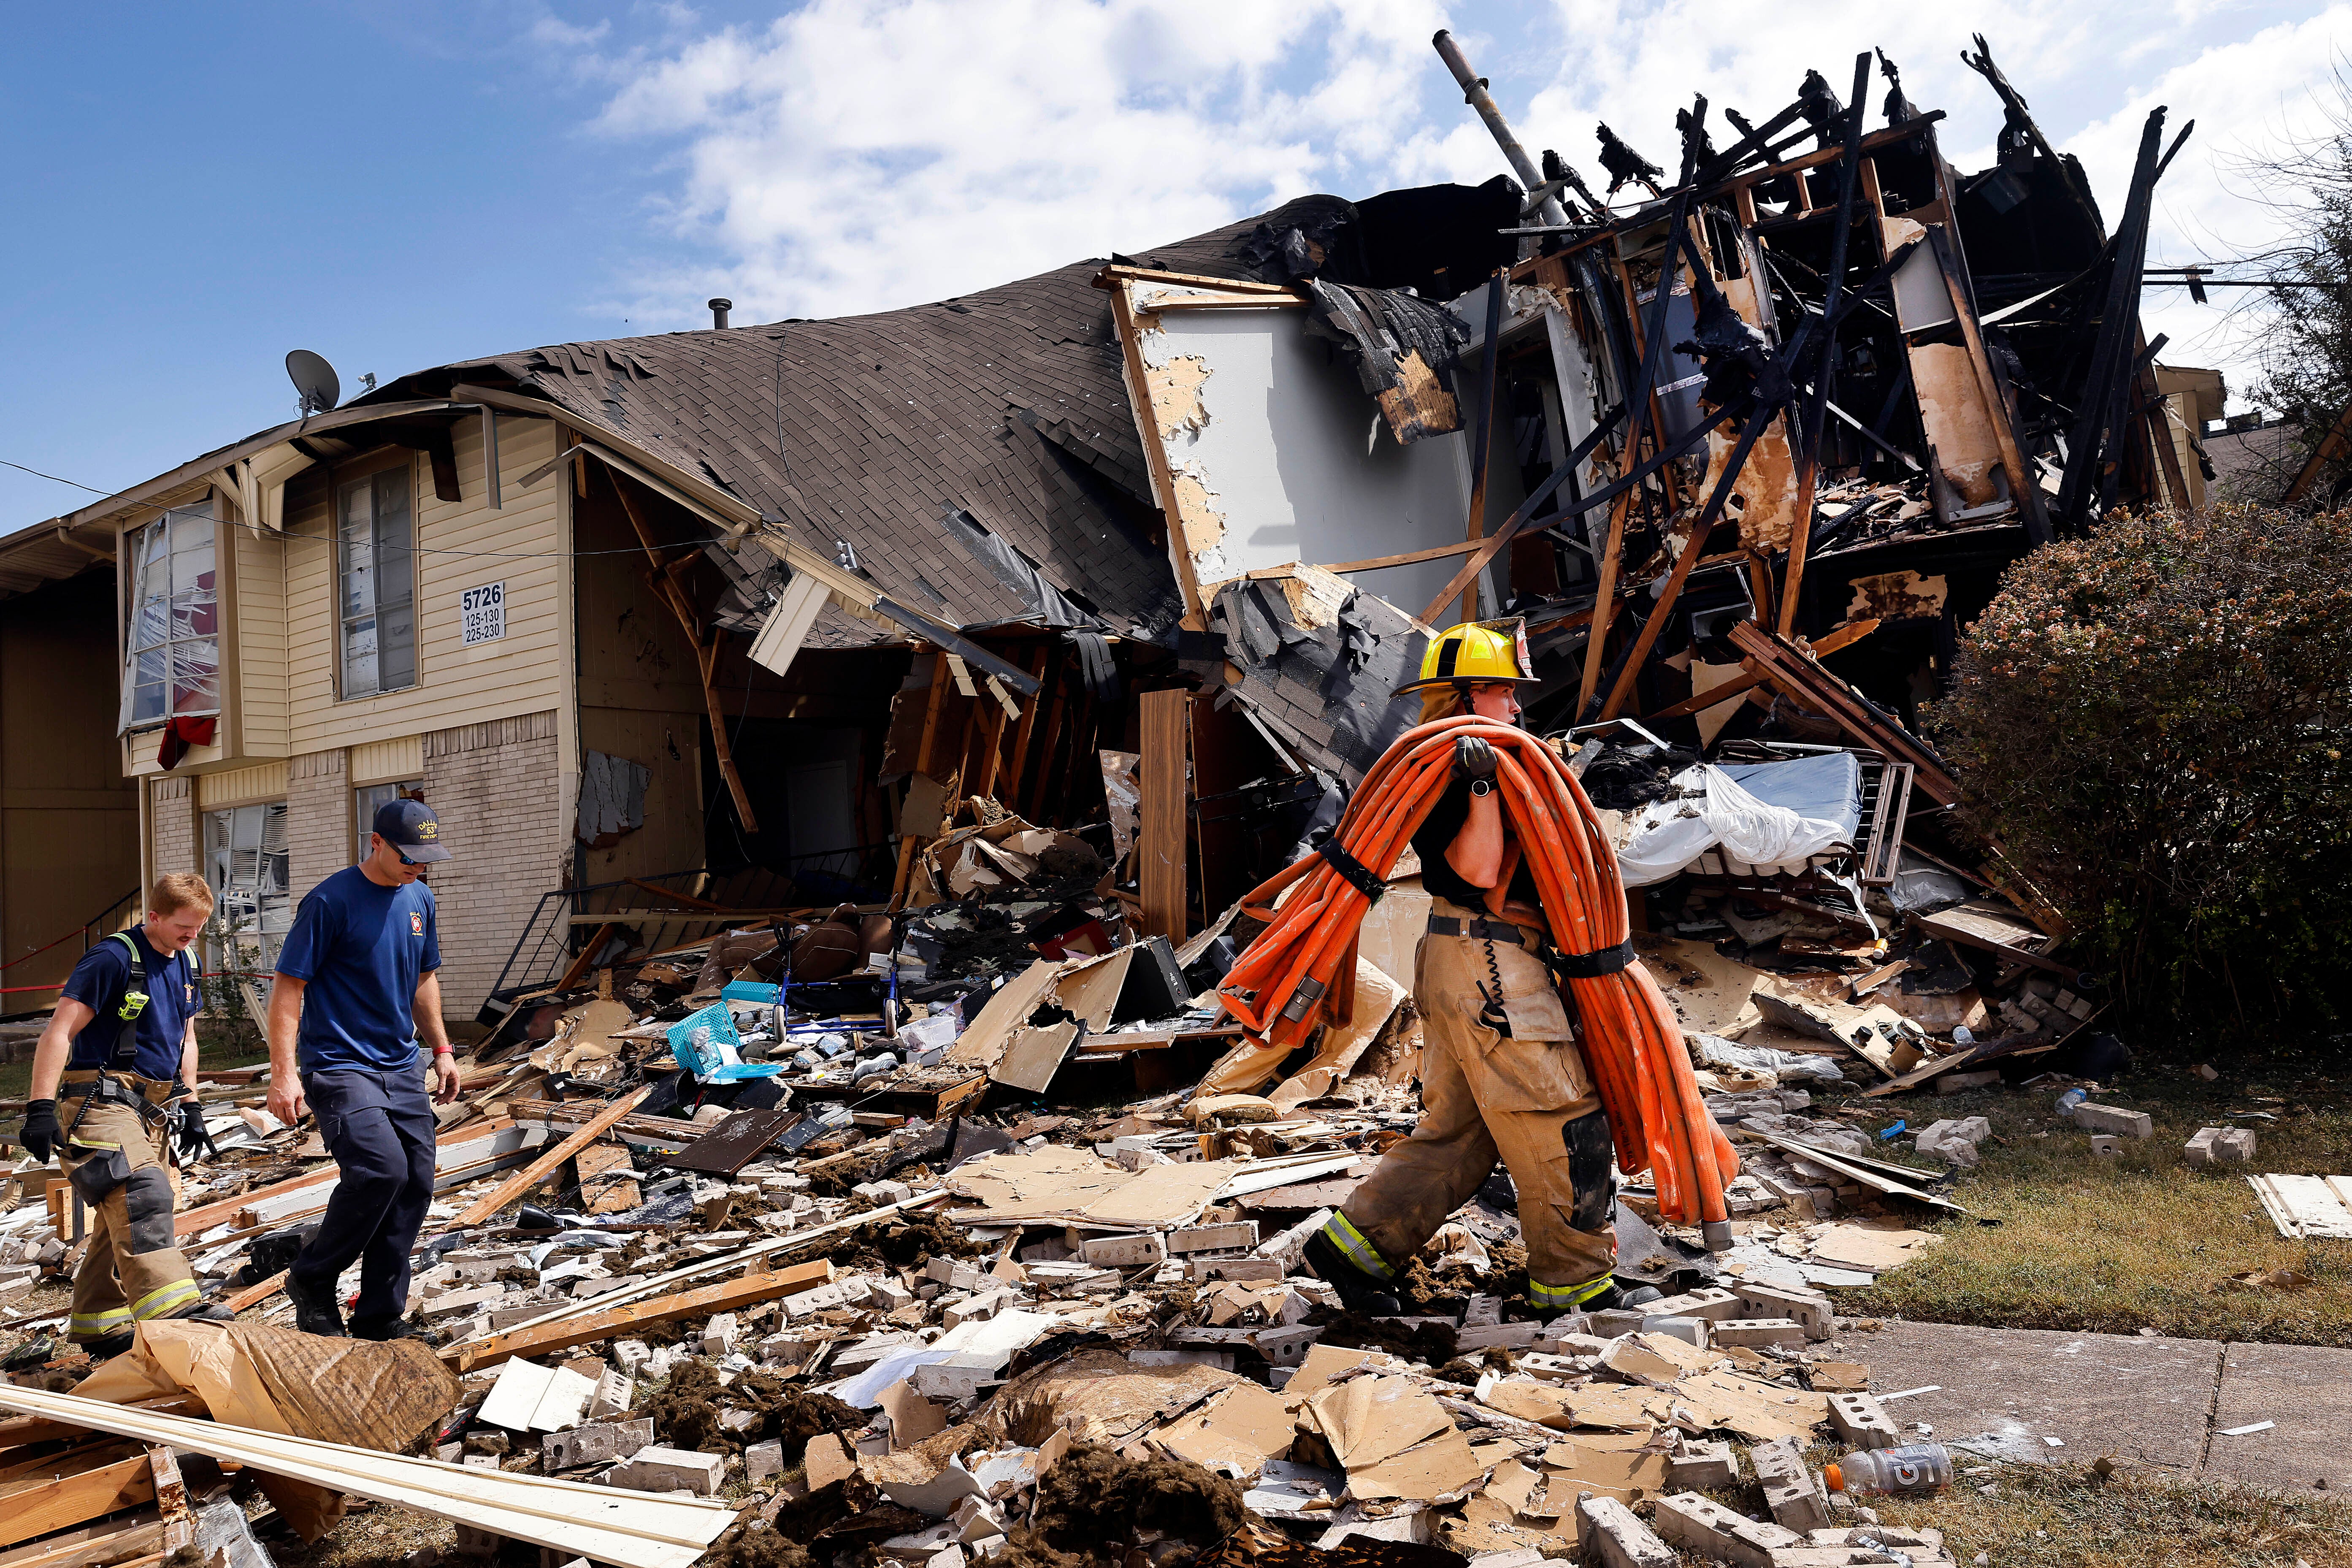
x=416, y=923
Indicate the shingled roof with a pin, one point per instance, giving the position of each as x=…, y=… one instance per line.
x=1007, y=405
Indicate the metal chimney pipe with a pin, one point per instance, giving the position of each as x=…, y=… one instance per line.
x=1475, y=93
x=718, y=309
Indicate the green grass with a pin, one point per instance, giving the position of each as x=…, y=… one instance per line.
x=2113, y=1245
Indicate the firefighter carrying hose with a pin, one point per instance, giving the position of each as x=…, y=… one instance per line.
x=112, y=1089
x=1501, y=1071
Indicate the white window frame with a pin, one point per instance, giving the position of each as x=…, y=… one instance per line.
x=173, y=584
x=371, y=622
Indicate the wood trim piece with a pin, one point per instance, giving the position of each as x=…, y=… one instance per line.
x=604, y=1524
x=522, y=1181
x=41, y=1506
x=1165, y=718
x=725, y=1297
x=1155, y=450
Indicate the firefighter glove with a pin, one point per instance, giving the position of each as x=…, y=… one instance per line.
x=40, y=1135
x=1474, y=759
x=194, y=1141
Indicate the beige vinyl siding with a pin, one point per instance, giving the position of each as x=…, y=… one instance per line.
x=524, y=672
x=259, y=633
x=237, y=787
x=388, y=762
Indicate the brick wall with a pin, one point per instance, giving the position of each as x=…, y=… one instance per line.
x=495, y=788
x=319, y=829
x=176, y=845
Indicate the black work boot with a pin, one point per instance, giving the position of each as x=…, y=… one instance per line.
x=1621, y=1297
x=106, y=1347
x=315, y=1312
x=381, y=1329
x=203, y=1312
x=1359, y=1291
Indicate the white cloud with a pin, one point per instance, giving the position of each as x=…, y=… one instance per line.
x=857, y=154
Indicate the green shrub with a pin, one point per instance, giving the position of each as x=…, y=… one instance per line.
x=2154, y=722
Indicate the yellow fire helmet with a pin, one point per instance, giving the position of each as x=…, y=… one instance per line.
x=1476, y=653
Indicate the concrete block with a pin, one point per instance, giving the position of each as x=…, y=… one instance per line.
x=1791, y=1491
x=2106, y=1145
x=1690, y=1330
x=616, y=1392
x=958, y=1376
x=1756, y=1334
x=596, y=1445
x=658, y=1470
x=980, y=1308
x=1499, y=1336
x=1702, y=1466
x=888, y=1295
x=1607, y=1529
x=957, y=1275
x=1713, y=1530
x=1124, y=1251
x=762, y=1460
x=1213, y=1237
x=822, y=1299
x=2115, y=1119
x=631, y=1354
x=1961, y=1082
x=884, y=1191
x=1861, y=1421
x=718, y=1335
x=1810, y=1309
x=1618, y=1320
x=1711, y=1304
x=2218, y=1145
x=1244, y=1269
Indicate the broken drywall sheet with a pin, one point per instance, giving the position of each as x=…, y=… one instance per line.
x=1892, y=596
x=1276, y=454
x=1959, y=429
x=611, y=798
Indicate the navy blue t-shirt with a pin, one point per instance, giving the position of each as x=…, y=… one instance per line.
x=360, y=949
x=98, y=983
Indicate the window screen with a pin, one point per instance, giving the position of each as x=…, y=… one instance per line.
x=171, y=665
x=245, y=862
x=377, y=572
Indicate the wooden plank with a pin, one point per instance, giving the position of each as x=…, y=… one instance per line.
x=531, y=1175
x=1028, y=723
x=725, y=1297
x=2331, y=445
x=20, y=1431
x=1166, y=721
x=577, y=970
x=1829, y=642
x=39, y=1507
x=1437, y=553
x=706, y=641
x=136, y=1544
x=1788, y=668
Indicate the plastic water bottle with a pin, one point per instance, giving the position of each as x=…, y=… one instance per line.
x=1911, y=1467
x=2071, y=1098
x=1963, y=1037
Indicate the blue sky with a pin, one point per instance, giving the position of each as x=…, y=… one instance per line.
x=196, y=190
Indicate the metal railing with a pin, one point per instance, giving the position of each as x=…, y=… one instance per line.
x=673, y=908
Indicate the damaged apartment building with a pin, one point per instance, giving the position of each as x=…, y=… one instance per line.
x=716, y=626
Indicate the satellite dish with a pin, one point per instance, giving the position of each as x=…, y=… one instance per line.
x=314, y=378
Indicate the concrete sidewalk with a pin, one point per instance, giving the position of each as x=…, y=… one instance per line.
x=2159, y=1401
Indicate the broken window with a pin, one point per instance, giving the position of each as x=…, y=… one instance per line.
x=172, y=663
x=246, y=861
x=377, y=568
x=373, y=798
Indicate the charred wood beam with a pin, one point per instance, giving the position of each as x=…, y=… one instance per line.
x=1482, y=448
x=2012, y=103
x=1637, y=400
x=1809, y=452
x=1754, y=144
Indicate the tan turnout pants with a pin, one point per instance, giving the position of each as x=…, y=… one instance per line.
x=133, y=1270
x=1525, y=1096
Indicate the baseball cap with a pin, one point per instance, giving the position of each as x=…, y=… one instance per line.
x=410, y=827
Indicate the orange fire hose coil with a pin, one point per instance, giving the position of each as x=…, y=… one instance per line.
x=1280, y=987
